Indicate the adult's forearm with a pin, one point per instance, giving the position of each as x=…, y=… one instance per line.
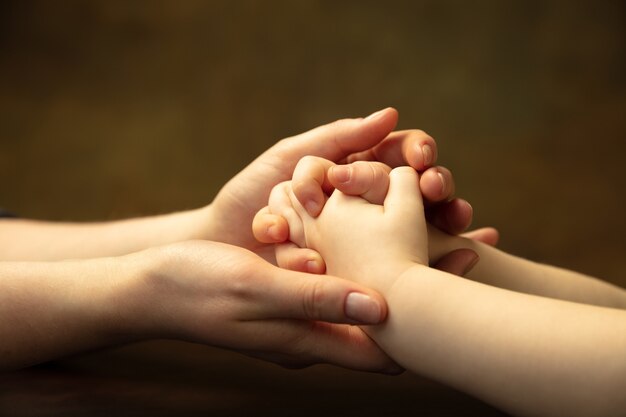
x=32, y=240
x=528, y=355
x=52, y=310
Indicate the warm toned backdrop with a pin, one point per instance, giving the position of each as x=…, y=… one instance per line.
x=111, y=109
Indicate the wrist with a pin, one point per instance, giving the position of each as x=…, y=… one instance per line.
x=387, y=279
x=194, y=224
x=202, y=224
x=134, y=302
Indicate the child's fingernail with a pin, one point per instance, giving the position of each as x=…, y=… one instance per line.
x=362, y=308
x=312, y=266
x=375, y=115
x=312, y=207
x=342, y=173
x=427, y=155
x=442, y=180
x=274, y=233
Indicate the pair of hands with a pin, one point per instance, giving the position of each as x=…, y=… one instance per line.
x=241, y=300
x=371, y=238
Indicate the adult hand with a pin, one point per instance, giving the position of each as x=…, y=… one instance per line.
x=231, y=213
x=342, y=141
x=226, y=296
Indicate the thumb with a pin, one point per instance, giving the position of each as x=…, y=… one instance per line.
x=404, y=198
x=298, y=295
x=337, y=140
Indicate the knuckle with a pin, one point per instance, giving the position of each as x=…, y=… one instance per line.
x=307, y=160
x=244, y=282
x=241, y=288
x=301, y=186
x=313, y=294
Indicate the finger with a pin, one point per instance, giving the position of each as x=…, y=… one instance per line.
x=437, y=184
x=339, y=139
x=453, y=216
x=487, y=235
x=310, y=182
x=280, y=204
x=296, y=295
x=404, y=198
x=304, y=343
x=269, y=228
x=458, y=262
x=408, y=147
x=369, y=180
x=292, y=257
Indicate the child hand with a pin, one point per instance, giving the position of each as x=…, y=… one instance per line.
x=315, y=178
x=368, y=243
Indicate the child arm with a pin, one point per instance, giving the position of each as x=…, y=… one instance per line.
x=526, y=354
x=507, y=271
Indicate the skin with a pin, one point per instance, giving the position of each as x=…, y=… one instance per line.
x=315, y=178
x=67, y=288
x=55, y=309
x=529, y=355
x=495, y=268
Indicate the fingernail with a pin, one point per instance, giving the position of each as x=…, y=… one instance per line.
x=342, y=173
x=442, y=181
x=312, y=207
x=427, y=155
x=471, y=265
x=468, y=206
x=312, y=266
x=375, y=115
x=362, y=308
x=274, y=233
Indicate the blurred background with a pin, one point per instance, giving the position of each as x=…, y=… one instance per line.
x=113, y=109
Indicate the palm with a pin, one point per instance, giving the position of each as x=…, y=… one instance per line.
x=243, y=196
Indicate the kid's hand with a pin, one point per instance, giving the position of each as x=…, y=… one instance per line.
x=361, y=241
x=230, y=215
x=316, y=178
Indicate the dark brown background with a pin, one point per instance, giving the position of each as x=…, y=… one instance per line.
x=111, y=109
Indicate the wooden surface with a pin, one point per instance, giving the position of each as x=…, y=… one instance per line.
x=175, y=379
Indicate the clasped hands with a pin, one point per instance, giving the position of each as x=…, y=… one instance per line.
x=229, y=291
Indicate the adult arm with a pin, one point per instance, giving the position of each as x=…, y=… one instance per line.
x=197, y=291
x=238, y=200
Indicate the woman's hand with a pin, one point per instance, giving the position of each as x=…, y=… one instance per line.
x=197, y=291
x=231, y=213
x=222, y=295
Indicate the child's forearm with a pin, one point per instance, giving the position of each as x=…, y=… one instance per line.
x=31, y=240
x=507, y=271
x=503, y=270
x=528, y=355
